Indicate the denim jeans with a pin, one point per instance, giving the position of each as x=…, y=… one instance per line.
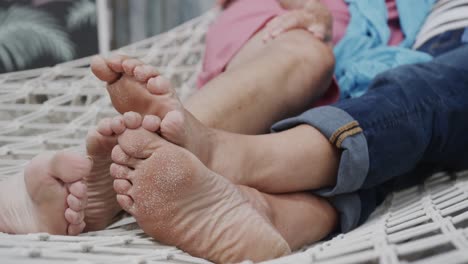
x=446, y=41
x=412, y=121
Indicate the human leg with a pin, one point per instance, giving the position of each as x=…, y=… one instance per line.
x=268, y=81
x=412, y=115
x=421, y=109
x=300, y=218
x=290, y=214
x=286, y=77
x=275, y=163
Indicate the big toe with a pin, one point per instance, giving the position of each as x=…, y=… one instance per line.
x=140, y=143
x=68, y=166
x=102, y=71
x=159, y=85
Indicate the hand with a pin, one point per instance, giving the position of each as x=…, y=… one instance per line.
x=313, y=17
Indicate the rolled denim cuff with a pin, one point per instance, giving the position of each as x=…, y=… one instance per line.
x=345, y=133
x=349, y=208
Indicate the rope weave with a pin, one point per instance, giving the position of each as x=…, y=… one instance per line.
x=53, y=108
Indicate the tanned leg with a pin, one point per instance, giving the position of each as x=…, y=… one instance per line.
x=298, y=159
x=265, y=83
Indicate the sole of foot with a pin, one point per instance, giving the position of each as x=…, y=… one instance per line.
x=180, y=202
x=135, y=86
x=102, y=209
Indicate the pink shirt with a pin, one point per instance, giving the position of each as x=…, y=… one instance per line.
x=341, y=17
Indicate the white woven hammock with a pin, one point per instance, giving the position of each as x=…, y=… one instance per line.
x=52, y=108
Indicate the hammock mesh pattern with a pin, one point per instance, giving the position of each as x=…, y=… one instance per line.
x=53, y=108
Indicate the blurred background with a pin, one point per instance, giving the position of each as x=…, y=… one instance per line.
x=40, y=33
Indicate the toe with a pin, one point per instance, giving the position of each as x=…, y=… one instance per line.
x=132, y=120
x=100, y=68
x=120, y=157
x=159, y=85
x=74, y=230
x=120, y=172
x=100, y=141
x=74, y=217
x=115, y=62
x=151, y=123
x=104, y=127
x=139, y=144
x=78, y=189
x=118, y=125
x=75, y=203
x=129, y=66
x=126, y=202
x=144, y=72
x=69, y=166
x=122, y=186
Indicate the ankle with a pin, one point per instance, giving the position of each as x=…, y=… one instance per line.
x=210, y=149
x=228, y=156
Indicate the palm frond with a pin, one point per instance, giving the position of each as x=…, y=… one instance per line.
x=81, y=13
x=26, y=34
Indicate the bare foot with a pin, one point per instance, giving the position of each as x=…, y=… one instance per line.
x=137, y=87
x=102, y=208
x=127, y=86
x=51, y=196
x=178, y=201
